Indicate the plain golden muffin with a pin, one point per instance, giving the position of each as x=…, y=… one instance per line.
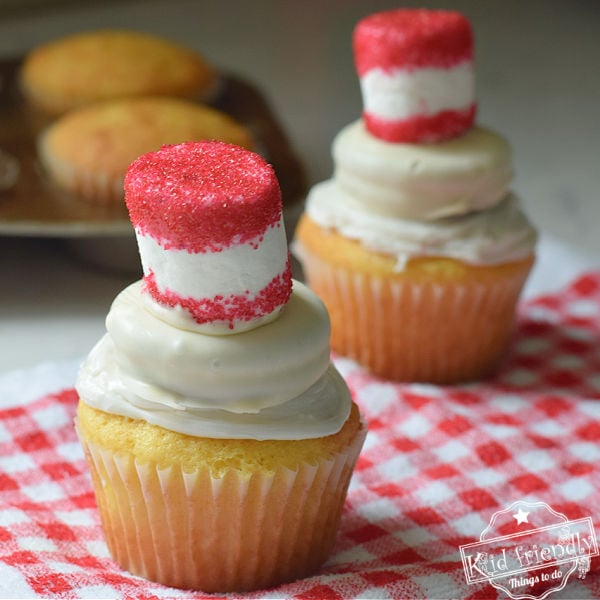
x=88, y=150
x=91, y=66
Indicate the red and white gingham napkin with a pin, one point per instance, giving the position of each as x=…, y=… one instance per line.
x=437, y=464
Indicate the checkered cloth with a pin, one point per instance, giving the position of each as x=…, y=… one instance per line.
x=437, y=464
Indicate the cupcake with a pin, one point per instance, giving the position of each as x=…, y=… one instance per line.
x=91, y=66
x=416, y=244
x=219, y=436
x=88, y=150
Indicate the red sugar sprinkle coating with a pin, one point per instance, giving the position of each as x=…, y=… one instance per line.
x=422, y=128
x=412, y=38
x=231, y=308
x=202, y=196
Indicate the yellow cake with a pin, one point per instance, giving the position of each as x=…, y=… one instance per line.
x=417, y=245
x=91, y=66
x=216, y=514
x=220, y=438
x=438, y=320
x=87, y=151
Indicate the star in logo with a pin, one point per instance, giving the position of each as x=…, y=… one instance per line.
x=521, y=516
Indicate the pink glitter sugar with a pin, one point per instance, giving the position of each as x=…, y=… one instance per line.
x=412, y=38
x=231, y=308
x=420, y=128
x=408, y=40
x=202, y=196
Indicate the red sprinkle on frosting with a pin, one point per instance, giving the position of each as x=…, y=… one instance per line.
x=412, y=38
x=230, y=308
x=202, y=196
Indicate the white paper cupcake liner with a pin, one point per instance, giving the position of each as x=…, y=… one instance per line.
x=234, y=533
x=410, y=330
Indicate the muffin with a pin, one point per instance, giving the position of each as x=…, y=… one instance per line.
x=90, y=66
x=416, y=244
x=220, y=437
x=88, y=150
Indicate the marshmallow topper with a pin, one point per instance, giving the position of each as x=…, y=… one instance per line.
x=208, y=221
x=416, y=74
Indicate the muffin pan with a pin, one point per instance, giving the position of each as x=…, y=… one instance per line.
x=34, y=206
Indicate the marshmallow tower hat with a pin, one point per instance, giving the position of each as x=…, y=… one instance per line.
x=416, y=74
x=209, y=226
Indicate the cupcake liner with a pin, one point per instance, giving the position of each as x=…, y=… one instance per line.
x=418, y=330
x=95, y=187
x=234, y=533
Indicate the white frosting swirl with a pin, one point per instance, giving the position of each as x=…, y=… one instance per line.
x=273, y=382
x=501, y=234
x=422, y=181
x=448, y=199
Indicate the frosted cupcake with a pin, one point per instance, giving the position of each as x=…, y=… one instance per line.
x=220, y=438
x=417, y=245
